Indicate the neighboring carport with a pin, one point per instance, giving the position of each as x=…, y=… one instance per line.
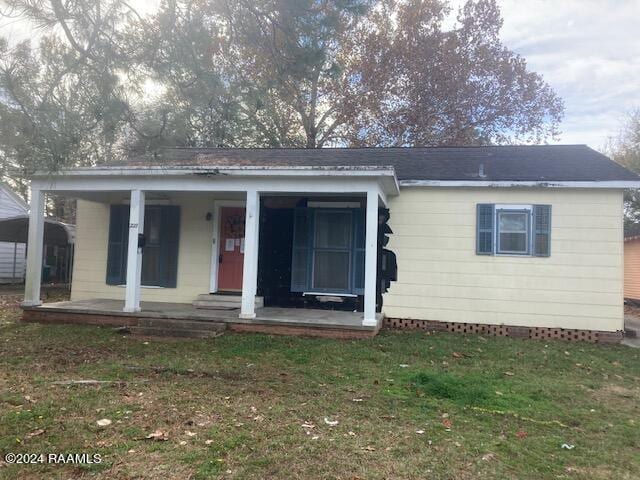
x=59, y=239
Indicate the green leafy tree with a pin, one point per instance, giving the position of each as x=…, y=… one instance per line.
x=104, y=82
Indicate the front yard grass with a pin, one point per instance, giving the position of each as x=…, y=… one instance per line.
x=401, y=405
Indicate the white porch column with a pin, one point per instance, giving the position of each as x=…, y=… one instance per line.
x=250, y=266
x=134, y=254
x=370, y=259
x=34, y=250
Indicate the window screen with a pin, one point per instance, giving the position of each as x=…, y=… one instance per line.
x=513, y=232
x=332, y=250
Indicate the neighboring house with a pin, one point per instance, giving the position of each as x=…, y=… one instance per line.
x=632, y=263
x=508, y=240
x=12, y=255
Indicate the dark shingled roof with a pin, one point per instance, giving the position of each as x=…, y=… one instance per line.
x=523, y=163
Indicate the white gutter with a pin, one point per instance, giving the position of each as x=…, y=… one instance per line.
x=617, y=184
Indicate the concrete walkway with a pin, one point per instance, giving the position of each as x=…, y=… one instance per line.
x=632, y=323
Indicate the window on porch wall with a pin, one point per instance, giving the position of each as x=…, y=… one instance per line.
x=328, y=251
x=160, y=254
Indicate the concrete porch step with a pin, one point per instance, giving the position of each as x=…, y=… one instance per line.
x=165, y=327
x=176, y=324
x=169, y=332
x=214, y=301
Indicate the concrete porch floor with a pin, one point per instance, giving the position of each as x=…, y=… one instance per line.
x=110, y=312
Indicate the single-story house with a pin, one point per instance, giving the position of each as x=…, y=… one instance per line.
x=506, y=240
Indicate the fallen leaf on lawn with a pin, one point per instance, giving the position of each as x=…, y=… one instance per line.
x=521, y=434
x=447, y=423
x=488, y=456
x=208, y=442
x=37, y=432
x=509, y=374
x=183, y=442
x=308, y=425
x=190, y=434
x=403, y=365
x=499, y=393
x=254, y=409
x=331, y=423
x=131, y=451
x=356, y=399
x=103, y=422
x=258, y=418
x=369, y=448
x=315, y=437
x=353, y=434
x=456, y=355
x=445, y=415
x=457, y=444
x=29, y=399
x=158, y=436
x=420, y=432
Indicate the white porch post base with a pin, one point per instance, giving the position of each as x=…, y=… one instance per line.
x=250, y=265
x=370, y=260
x=34, y=250
x=134, y=254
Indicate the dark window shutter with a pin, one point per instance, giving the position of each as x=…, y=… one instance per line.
x=485, y=213
x=301, y=257
x=358, y=251
x=117, y=248
x=542, y=230
x=169, y=243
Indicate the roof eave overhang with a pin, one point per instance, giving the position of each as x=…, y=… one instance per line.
x=611, y=184
x=385, y=175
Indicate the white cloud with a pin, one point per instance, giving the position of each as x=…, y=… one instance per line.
x=589, y=51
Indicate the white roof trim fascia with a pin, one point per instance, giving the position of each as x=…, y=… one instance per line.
x=385, y=174
x=621, y=184
x=225, y=170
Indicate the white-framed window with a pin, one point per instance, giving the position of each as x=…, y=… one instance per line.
x=513, y=230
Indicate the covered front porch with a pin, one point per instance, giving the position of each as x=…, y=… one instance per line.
x=196, y=199
x=178, y=318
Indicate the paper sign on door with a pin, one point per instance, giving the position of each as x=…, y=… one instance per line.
x=229, y=245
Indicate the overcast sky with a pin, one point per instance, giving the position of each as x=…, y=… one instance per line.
x=588, y=50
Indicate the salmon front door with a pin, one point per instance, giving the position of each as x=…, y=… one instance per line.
x=231, y=248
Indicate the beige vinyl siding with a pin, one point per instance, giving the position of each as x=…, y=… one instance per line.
x=440, y=277
x=194, y=256
x=632, y=269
